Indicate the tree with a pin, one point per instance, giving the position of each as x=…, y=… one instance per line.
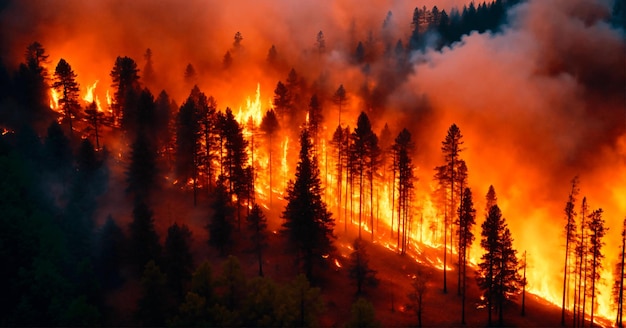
x=272, y=56
x=231, y=283
x=110, y=254
x=65, y=83
x=125, y=76
x=451, y=149
x=148, y=68
x=144, y=241
x=363, y=315
x=582, y=265
x=467, y=219
x=315, y=120
x=418, y=291
x=190, y=75
x=188, y=133
x=152, y=306
x=94, y=118
x=359, y=269
x=304, y=301
x=283, y=102
x=237, y=41
x=208, y=126
x=570, y=236
x=618, y=284
x=227, y=62
x=269, y=126
x=141, y=174
x=339, y=98
x=257, y=224
x=31, y=89
x=498, y=275
x=220, y=226
x=404, y=180
x=308, y=224
x=597, y=230
x=320, y=43
x=177, y=259
x=196, y=309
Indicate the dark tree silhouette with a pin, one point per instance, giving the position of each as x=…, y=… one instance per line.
x=125, y=76
x=237, y=41
x=65, y=83
x=597, y=230
x=339, y=98
x=227, y=62
x=142, y=171
x=148, y=68
x=404, y=181
x=190, y=75
x=32, y=91
x=320, y=43
x=257, y=224
x=272, y=56
x=152, y=305
x=110, y=254
x=363, y=315
x=451, y=149
x=220, y=226
x=617, y=291
x=95, y=119
x=283, y=102
x=144, y=241
x=177, y=259
x=467, y=219
x=498, y=275
x=339, y=144
x=269, y=126
x=308, y=224
x=188, y=133
x=582, y=270
x=315, y=120
x=359, y=269
x=418, y=291
x=570, y=237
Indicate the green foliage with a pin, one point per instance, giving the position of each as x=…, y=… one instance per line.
x=308, y=224
x=152, y=305
x=363, y=315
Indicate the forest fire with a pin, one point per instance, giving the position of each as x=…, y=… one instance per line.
x=411, y=127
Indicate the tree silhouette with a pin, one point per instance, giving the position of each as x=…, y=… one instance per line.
x=144, y=241
x=269, y=126
x=141, y=174
x=308, y=224
x=419, y=287
x=404, y=179
x=125, y=76
x=272, y=56
x=320, y=43
x=617, y=292
x=257, y=224
x=359, y=269
x=467, y=219
x=498, y=275
x=110, y=254
x=315, y=120
x=152, y=306
x=177, y=259
x=597, y=230
x=148, y=68
x=363, y=315
x=339, y=98
x=220, y=226
x=449, y=174
x=95, y=119
x=190, y=75
x=582, y=270
x=65, y=83
x=570, y=236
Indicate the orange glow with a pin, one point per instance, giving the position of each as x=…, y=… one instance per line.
x=89, y=96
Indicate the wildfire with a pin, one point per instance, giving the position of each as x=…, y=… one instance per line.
x=89, y=96
x=54, y=100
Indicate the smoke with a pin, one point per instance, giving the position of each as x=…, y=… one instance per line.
x=538, y=103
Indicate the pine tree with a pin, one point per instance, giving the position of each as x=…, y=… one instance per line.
x=308, y=224
x=618, y=284
x=451, y=149
x=570, y=236
x=498, y=275
x=269, y=126
x=419, y=288
x=125, y=76
x=359, y=269
x=152, y=306
x=257, y=224
x=363, y=315
x=65, y=83
x=144, y=241
x=597, y=230
x=177, y=259
x=467, y=219
x=363, y=153
x=220, y=226
x=339, y=98
x=141, y=174
x=404, y=180
x=95, y=119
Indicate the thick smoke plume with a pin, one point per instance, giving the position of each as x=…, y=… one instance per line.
x=539, y=102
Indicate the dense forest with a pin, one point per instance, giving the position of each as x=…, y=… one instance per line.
x=394, y=170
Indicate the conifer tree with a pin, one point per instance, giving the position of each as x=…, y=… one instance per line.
x=308, y=224
x=125, y=76
x=359, y=269
x=467, y=219
x=597, y=230
x=144, y=241
x=177, y=259
x=65, y=83
x=570, y=236
x=257, y=224
x=220, y=226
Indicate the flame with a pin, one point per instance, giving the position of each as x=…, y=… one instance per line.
x=89, y=96
x=54, y=100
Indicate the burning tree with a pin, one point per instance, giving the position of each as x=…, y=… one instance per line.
x=467, y=218
x=570, y=236
x=359, y=268
x=618, y=285
x=404, y=179
x=65, y=83
x=308, y=224
x=498, y=273
x=449, y=174
x=597, y=230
